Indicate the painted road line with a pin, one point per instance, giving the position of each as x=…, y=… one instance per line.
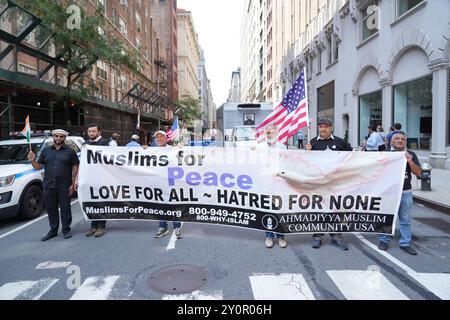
x=53, y=265
x=196, y=295
x=95, y=288
x=437, y=283
x=173, y=240
x=28, y=224
x=286, y=286
x=26, y=290
x=365, y=285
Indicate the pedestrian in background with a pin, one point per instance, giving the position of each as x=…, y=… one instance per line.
x=114, y=141
x=134, y=141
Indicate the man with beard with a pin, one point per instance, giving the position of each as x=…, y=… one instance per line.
x=61, y=168
x=98, y=228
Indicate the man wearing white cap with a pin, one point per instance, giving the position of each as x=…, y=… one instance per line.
x=161, y=140
x=134, y=141
x=61, y=168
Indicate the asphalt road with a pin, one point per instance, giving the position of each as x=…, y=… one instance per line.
x=238, y=266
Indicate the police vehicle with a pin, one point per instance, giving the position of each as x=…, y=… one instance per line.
x=21, y=192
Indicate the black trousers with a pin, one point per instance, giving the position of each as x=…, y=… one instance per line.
x=300, y=144
x=57, y=196
x=335, y=236
x=98, y=224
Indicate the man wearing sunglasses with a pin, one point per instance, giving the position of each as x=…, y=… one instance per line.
x=61, y=168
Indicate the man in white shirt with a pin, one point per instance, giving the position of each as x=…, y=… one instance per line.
x=272, y=144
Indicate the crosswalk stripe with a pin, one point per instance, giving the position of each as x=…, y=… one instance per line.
x=95, y=288
x=26, y=290
x=196, y=295
x=365, y=285
x=438, y=283
x=286, y=286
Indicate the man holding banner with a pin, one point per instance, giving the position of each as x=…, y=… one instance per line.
x=326, y=141
x=398, y=144
x=273, y=144
x=161, y=140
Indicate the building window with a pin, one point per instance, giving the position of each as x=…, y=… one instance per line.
x=370, y=112
x=404, y=6
x=138, y=23
x=101, y=6
x=122, y=26
x=413, y=108
x=319, y=62
x=101, y=70
x=369, y=20
x=325, y=102
x=26, y=69
x=333, y=49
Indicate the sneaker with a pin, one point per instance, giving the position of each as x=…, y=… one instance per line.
x=49, y=236
x=339, y=244
x=409, y=250
x=282, y=242
x=162, y=232
x=269, y=243
x=91, y=232
x=383, y=246
x=316, y=243
x=99, y=233
x=178, y=233
x=67, y=235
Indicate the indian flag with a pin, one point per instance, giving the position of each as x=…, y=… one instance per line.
x=27, y=131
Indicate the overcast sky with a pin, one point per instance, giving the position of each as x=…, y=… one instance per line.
x=218, y=24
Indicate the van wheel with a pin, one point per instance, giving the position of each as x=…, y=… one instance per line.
x=32, y=203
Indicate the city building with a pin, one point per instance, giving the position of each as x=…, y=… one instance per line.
x=235, y=89
x=32, y=76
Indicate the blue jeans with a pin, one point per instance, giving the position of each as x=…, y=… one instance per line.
x=271, y=235
x=164, y=224
x=404, y=216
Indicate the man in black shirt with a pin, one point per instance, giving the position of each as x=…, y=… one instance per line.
x=98, y=228
x=326, y=141
x=61, y=168
x=398, y=144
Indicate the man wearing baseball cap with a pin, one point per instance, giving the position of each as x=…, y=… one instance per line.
x=61, y=168
x=327, y=141
x=161, y=141
x=134, y=141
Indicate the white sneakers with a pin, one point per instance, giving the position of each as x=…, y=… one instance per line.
x=281, y=241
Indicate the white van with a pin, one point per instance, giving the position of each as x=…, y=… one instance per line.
x=244, y=137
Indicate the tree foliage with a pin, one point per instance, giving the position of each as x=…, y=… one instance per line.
x=188, y=110
x=81, y=47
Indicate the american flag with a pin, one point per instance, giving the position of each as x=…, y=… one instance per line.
x=290, y=115
x=174, y=132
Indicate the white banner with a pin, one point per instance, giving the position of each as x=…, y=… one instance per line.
x=283, y=191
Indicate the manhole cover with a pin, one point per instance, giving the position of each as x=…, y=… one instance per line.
x=178, y=279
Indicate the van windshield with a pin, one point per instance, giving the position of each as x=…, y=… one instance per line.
x=244, y=134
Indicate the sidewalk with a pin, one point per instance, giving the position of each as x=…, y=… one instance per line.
x=440, y=186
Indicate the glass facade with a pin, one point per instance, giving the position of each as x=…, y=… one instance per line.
x=370, y=112
x=413, y=108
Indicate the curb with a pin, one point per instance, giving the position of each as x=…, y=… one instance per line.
x=433, y=204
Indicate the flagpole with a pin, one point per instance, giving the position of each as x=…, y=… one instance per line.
x=308, y=128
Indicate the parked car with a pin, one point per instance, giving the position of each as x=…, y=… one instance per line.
x=21, y=192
